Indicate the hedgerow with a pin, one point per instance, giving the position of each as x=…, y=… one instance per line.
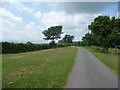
x=8, y=47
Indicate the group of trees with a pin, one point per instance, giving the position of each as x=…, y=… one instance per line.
x=54, y=33
x=105, y=32
x=67, y=39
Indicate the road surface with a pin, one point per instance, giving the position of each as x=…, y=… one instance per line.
x=89, y=72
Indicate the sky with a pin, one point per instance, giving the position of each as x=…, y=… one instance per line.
x=25, y=21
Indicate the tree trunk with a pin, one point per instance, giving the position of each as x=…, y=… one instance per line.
x=106, y=49
x=52, y=44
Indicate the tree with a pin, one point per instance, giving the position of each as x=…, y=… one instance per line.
x=68, y=39
x=105, y=32
x=102, y=28
x=115, y=34
x=89, y=39
x=53, y=33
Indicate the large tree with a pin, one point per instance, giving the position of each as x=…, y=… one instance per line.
x=114, y=37
x=53, y=33
x=106, y=31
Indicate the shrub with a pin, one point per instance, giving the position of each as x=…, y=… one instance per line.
x=114, y=50
x=97, y=49
x=62, y=45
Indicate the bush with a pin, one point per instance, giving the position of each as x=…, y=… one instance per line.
x=114, y=50
x=61, y=45
x=97, y=49
x=110, y=50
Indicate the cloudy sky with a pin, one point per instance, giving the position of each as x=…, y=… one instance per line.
x=25, y=21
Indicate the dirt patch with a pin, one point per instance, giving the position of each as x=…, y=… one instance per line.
x=33, y=53
x=21, y=72
x=37, y=52
x=15, y=57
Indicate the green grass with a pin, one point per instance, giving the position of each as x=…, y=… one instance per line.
x=110, y=60
x=39, y=69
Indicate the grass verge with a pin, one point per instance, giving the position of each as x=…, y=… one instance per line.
x=39, y=69
x=110, y=60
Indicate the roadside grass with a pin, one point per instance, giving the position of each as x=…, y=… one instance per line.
x=43, y=69
x=110, y=60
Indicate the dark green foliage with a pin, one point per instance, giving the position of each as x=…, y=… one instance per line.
x=97, y=49
x=52, y=44
x=62, y=45
x=53, y=33
x=78, y=43
x=89, y=39
x=8, y=47
x=68, y=39
x=101, y=26
x=105, y=32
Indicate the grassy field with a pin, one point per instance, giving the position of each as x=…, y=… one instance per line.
x=40, y=69
x=110, y=60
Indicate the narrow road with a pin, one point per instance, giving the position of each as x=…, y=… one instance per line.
x=89, y=72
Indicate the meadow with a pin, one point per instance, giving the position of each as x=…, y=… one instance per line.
x=38, y=69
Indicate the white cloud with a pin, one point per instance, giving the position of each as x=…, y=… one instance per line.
x=74, y=24
x=38, y=14
x=21, y=7
x=13, y=30
x=31, y=32
x=9, y=23
x=6, y=14
x=8, y=20
x=30, y=25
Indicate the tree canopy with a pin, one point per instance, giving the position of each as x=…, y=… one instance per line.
x=53, y=33
x=89, y=39
x=105, y=32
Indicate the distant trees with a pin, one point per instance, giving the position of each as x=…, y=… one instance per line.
x=105, y=32
x=67, y=39
x=54, y=33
